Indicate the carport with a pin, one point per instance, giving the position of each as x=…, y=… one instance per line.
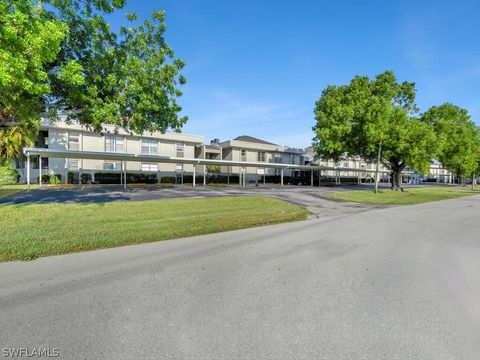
x=124, y=157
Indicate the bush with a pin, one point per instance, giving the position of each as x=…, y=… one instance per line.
x=71, y=178
x=132, y=178
x=45, y=179
x=8, y=175
x=86, y=178
x=222, y=179
x=51, y=179
x=141, y=178
x=167, y=180
x=55, y=179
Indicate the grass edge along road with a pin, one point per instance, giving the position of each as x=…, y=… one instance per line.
x=7, y=190
x=31, y=231
x=408, y=197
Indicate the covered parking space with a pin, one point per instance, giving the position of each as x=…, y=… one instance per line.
x=130, y=157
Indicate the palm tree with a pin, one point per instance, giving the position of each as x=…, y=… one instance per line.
x=14, y=137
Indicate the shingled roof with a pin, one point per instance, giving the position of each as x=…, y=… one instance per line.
x=253, y=139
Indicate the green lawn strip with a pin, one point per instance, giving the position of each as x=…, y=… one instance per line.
x=7, y=190
x=30, y=231
x=407, y=197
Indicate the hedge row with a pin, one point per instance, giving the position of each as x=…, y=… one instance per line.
x=211, y=179
x=132, y=178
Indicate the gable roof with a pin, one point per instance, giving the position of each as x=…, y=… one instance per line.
x=253, y=139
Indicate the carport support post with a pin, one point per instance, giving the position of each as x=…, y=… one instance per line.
x=124, y=174
x=193, y=183
x=319, y=177
x=28, y=171
x=40, y=171
x=204, y=175
x=311, y=177
x=121, y=172
x=264, y=175
x=281, y=177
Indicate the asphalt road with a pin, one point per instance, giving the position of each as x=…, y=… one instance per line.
x=393, y=283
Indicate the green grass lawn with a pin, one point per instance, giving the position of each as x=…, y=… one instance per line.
x=6, y=190
x=409, y=196
x=30, y=231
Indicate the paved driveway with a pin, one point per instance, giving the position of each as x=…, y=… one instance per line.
x=311, y=197
x=394, y=283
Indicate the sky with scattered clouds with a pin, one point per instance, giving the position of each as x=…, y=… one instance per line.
x=257, y=67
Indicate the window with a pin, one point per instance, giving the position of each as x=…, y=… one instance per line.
x=112, y=166
x=262, y=156
x=179, y=167
x=243, y=155
x=114, y=143
x=277, y=157
x=74, y=140
x=149, y=146
x=34, y=161
x=149, y=167
x=179, y=149
x=73, y=164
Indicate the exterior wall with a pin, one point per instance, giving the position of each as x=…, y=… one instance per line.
x=59, y=133
x=58, y=138
x=232, y=150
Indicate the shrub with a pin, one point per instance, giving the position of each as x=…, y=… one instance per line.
x=71, y=177
x=86, y=178
x=167, y=180
x=55, y=178
x=51, y=179
x=45, y=179
x=132, y=178
x=8, y=175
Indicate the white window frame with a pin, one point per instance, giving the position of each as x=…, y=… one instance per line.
x=73, y=139
x=262, y=156
x=243, y=154
x=116, y=166
x=151, y=146
x=116, y=142
x=149, y=167
x=179, y=149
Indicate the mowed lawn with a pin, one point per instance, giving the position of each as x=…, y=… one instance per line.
x=31, y=231
x=6, y=190
x=408, y=196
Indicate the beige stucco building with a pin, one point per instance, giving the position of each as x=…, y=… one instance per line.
x=60, y=135
x=73, y=136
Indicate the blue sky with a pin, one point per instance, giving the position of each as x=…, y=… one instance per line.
x=257, y=67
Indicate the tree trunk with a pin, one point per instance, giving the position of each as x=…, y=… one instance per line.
x=379, y=155
x=397, y=179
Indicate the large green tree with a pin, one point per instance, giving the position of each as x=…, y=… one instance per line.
x=61, y=58
x=374, y=119
x=457, y=138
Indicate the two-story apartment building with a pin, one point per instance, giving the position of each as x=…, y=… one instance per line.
x=246, y=148
x=72, y=136
x=257, y=155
